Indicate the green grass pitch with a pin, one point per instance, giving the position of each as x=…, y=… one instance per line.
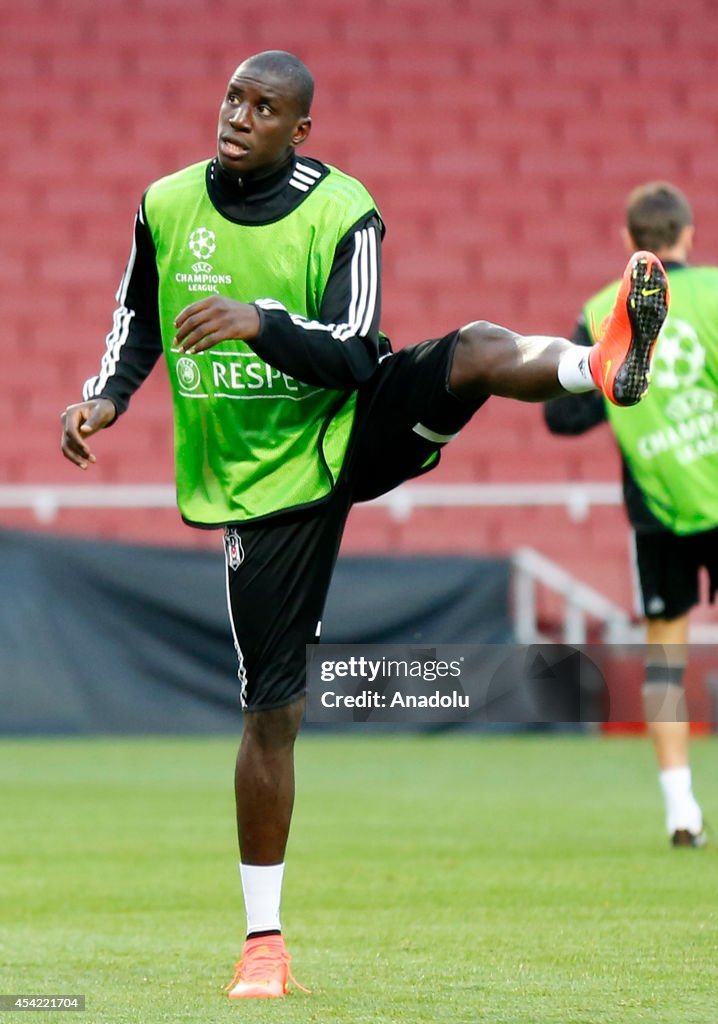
x=510, y=880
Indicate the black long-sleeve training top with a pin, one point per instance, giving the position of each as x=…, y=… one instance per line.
x=292, y=345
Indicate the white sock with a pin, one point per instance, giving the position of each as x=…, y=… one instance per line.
x=262, y=888
x=573, y=372
x=682, y=810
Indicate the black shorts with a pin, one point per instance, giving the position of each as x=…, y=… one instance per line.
x=279, y=571
x=669, y=570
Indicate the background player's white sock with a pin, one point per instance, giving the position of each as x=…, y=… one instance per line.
x=573, y=371
x=682, y=810
x=262, y=888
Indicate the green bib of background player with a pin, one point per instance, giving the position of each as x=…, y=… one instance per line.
x=670, y=439
x=249, y=440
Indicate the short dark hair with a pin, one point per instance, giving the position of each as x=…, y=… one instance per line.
x=290, y=69
x=656, y=213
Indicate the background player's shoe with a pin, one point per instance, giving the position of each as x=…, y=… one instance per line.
x=620, y=361
x=263, y=970
x=684, y=837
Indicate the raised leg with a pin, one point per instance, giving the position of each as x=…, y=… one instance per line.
x=492, y=360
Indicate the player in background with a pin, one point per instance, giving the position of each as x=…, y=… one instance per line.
x=670, y=477
x=279, y=433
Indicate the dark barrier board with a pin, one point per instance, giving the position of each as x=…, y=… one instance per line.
x=98, y=637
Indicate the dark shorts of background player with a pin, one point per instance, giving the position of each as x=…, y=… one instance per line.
x=276, y=594
x=669, y=570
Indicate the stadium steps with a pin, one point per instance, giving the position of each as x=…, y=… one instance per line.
x=499, y=139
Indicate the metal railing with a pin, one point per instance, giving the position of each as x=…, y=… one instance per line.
x=45, y=500
x=581, y=602
x=582, y=605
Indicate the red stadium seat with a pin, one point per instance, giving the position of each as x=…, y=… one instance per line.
x=499, y=139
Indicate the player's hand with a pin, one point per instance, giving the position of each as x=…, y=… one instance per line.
x=80, y=421
x=210, y=321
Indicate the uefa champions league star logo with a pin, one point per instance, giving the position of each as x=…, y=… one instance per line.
x=679, y=358
x=202, y=243
x=188, y=374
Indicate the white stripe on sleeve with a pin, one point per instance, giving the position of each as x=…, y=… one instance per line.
x=311, y=172
x=121, y=320
x=373, y=280
x=364, y=276
x=121, y=295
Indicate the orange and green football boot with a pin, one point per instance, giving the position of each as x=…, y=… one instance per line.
x=620, y=361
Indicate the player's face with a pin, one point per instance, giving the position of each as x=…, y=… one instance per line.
x=258, y=123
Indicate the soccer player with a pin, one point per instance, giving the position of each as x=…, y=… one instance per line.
x=279, y=433
x=670, y=477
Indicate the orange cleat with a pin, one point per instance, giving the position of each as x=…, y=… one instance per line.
x=263, y=970
x=620, y=361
